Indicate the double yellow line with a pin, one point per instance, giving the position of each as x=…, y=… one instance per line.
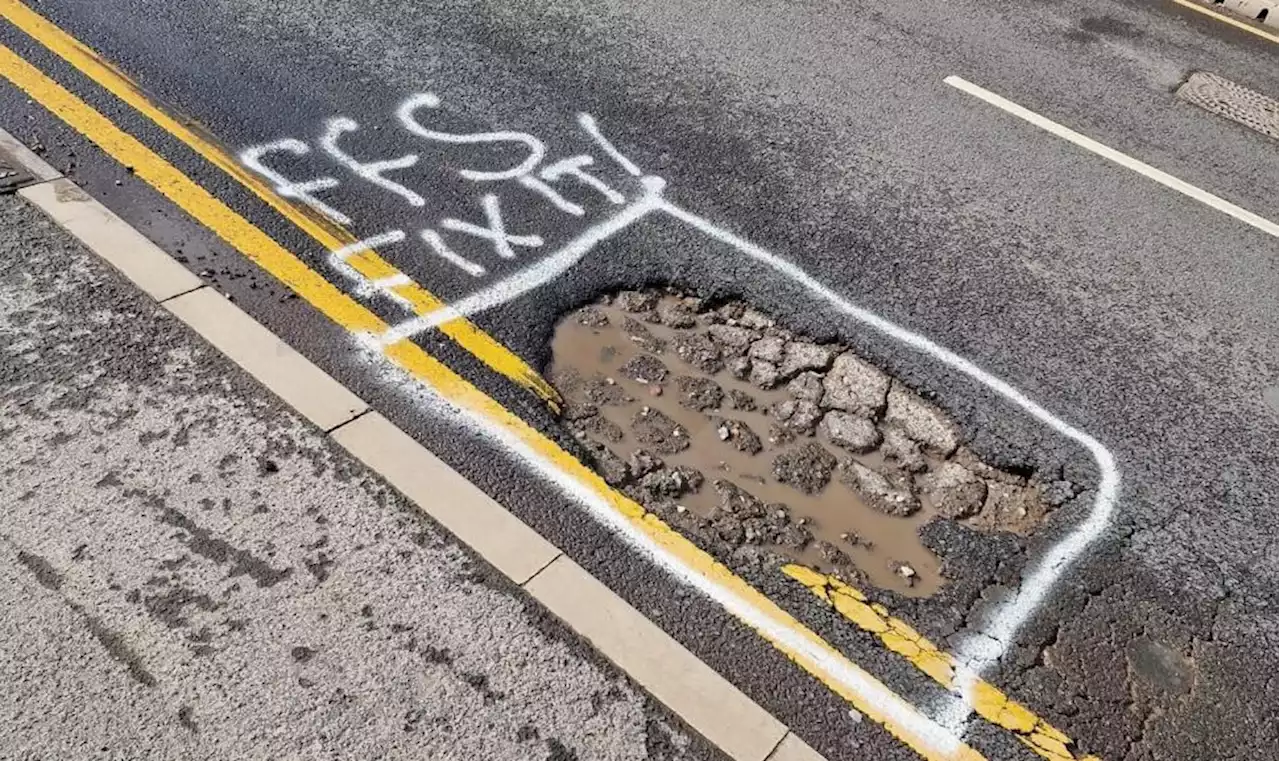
x=1040, y=736
x=896, y=716
x=331, y=236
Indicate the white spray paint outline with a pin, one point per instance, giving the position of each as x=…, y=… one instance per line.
x=364, y=286
x=988, y=644
x=977, y=651
x=937, y=737
x=496, y=232
x=370, y=171
x=537, y=150
x=533, y=275
x=980, y=649
x=299, y=190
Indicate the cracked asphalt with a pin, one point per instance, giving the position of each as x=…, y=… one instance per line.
x=187, y=570
x=822, y=132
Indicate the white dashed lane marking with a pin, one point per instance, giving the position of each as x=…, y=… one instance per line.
x=1111, y=154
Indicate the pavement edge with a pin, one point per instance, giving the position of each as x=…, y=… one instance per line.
x=673, y=675
x=1241, y=14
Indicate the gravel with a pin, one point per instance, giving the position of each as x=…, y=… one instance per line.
x=654, y=428
x=901, y=451
x=635, y=301
x=600, y=391
x=854, y=385
x=741, y=400
x=642, y=337
x=576, y=410
x=801, y=356
x=798, y=415
x=739, y=435
x=593, y=317
x=699, y=351
x=610, y=467
x=769, y=349
x=780, y=436
x=1010, y=507
x=807, y=387
x=701, y=394
x=834, y=555
x=735, y=339
x=601, y=428
x=1059, y=493
x=764, y=374
x=890, y=493
x=922, y=421
x=643, y=462
x=850, y=432
x=955, y=491
x=736, y=500
x=675, y=314
x=807, y=467
x=645, y=368
x=672, y=482
x=750, y=318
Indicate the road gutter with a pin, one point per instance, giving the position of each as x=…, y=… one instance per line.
x=690, y=689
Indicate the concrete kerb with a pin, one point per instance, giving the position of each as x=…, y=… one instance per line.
x=703, y=699
x=1257, y=17
x=124, y=248
x=27, y=159
x=792, y=748
x=1260, y=11
x=286, y=373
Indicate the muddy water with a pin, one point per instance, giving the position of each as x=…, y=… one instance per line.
x=885, y=548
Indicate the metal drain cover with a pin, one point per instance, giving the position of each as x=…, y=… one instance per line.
x=1228, y=99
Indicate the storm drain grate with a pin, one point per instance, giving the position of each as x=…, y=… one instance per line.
x=1228, y=99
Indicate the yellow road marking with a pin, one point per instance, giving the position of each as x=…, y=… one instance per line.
x=331, y=236
x=1227, y=20
x=354, y=317
x=901, y=638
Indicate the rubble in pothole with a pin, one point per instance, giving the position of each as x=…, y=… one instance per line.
x=746, y=435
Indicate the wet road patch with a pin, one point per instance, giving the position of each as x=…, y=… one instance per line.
x=753, y=439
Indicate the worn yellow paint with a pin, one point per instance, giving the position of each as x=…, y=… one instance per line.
x=898, y=636
x=326, y=233
x=1189, y=5
x=354, y=317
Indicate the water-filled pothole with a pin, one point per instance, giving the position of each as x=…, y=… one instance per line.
x=744, y=434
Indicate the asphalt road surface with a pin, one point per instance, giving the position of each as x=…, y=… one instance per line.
x=189, y=571
x=825, y=134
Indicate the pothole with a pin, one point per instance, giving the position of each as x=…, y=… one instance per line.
x=746, y=435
